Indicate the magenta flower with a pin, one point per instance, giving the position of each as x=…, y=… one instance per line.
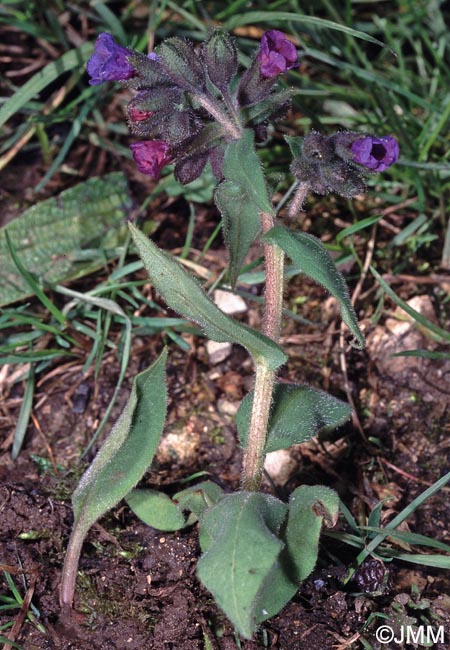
x=277, y=54
x=376, y=154
x=151, y=156
x=109, y=61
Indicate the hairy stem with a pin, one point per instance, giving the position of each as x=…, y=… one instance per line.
x=69, y=572
x=299, y=196
x=233, y=130
x=253, y=462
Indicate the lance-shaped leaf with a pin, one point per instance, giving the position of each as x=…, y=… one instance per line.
x=298, y=413
x=241, y=197
x=241, y=223
x=184, y=295
x=242, y=165
x=310, y=506
x=120, y=464
x=311, y=256
x=156, y=509
x=242, y=529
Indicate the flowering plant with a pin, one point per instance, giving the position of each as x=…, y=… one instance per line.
x=191, y=107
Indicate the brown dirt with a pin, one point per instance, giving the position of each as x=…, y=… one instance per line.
x=137, y=588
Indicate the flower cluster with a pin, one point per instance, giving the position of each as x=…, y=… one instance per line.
x=187, y=106
x=341, y=162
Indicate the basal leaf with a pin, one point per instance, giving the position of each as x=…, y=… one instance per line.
x=120, y=464
x=184, y=295
x=65, y=237
x=310, y=255
x=241, y=223
x=309, y=507
x=298, y=413
x=198, y=498
x=243, y=167
x=156, y=509
x=244, y=547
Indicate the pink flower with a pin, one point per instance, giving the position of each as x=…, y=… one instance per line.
x=151, y=156
x=277, y=54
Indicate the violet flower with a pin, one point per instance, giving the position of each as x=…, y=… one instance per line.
x=151, y=156
x=376, y=154
x=277, y=54
x=109, y=61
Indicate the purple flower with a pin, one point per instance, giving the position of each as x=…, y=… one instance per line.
x=151, y=156
x=109, y=61
x=376, y=154
x=276, y=55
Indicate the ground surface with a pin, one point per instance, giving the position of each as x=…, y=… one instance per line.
x=137, y=588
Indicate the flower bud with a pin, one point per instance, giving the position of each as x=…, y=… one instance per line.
x=109, y=62
x=151, y=156
x=182, y=64
x=219, y=53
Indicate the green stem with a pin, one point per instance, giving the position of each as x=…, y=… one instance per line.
x=214, y=108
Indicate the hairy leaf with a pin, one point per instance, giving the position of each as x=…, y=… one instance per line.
x=120, y=464
x=241, y=223
x=184, y=295
x=309, y=254
x=198, y=498
x=298, y=413
x=242, y=530
x=309, y=507
x=128, y=451
x=65, y=237
x=156, y=509
x=243, y=167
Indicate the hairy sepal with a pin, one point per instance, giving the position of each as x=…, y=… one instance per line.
x=220, y=56
x=182, y=64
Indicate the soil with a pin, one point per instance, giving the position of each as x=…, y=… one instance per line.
x=137, y=588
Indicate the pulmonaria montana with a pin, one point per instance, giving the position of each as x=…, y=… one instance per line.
x=376, y=154
x=151, y=156
x=277, y=54
x=109, y=62
x=341, y=162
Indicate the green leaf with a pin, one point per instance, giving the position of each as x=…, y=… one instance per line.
x=198, y=498
x=242, y=166
x=298, y=413
x=185, y=296
x=241, y=223
x=417, y=316
x=309, y=507
x=129, y=449
x=155, y=509
x=74, y=59
x=242, y=528
x=50, y=238
x=252, y=17
x=309, y=254
x=120, y=464
x=295, y=145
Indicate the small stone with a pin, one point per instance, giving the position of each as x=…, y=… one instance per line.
x=226, y=407
x=280, y=466
x=229, y=303
x=218, y=352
